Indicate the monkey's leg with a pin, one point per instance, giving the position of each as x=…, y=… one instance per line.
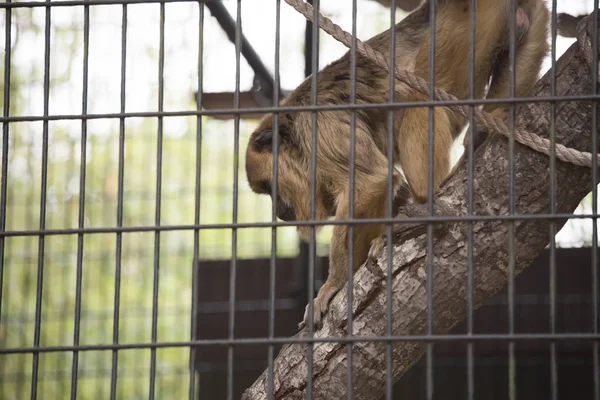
x=371, y=202
x=529, y=55
x=413, y=148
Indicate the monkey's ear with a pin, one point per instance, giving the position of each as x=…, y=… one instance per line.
x=263, y=142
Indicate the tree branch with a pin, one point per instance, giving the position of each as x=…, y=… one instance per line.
x=490, y=261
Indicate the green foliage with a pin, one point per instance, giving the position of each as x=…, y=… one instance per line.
x=56, y=267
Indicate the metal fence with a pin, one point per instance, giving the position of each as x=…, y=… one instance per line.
x=107, y=205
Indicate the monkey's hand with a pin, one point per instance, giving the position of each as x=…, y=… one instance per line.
x=321, y=303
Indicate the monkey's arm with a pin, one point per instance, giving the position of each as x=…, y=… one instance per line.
x=529, y=55
x=370, y=201
x=452, y=52
x=363, y=235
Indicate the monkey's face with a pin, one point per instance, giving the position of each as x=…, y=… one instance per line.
x=259, y=169
x=292, y=198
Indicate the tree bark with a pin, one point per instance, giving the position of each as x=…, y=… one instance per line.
x=490, y=253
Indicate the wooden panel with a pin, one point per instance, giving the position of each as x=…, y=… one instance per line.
x=573, y=314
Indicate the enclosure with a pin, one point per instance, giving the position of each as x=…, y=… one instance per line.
x=136, y=262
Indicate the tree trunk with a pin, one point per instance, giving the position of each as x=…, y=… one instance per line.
x=490, y=253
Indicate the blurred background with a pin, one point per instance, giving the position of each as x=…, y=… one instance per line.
x=139, y=252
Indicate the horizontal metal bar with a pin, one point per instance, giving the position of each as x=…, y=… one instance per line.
x=182, y=227
x=70, y=3
x=307, y=108
x=303, y=340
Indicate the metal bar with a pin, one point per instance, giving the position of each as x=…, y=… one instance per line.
x=521, y=337
x=120, y=190
x=43, y=195
x=303, y=247
x=351, y=200
x=470, y=192
x=81, y=217
x=274, y=192
x=71, y=3
x=158, y=201
x=5, y=143
x=307, y=108
x=430, y=192
x=313, y=183
x=512, y=362
x=218, y=10
x=196, y=260
x=362, y=221
x=552, y=228
x=236, y=147
x=594, y=266
x=389, y=376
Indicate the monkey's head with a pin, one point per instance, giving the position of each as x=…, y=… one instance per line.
x=292, y=201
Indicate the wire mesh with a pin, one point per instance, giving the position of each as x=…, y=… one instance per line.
x=106, y=156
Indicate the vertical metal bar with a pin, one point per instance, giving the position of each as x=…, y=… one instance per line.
x=313, y=183
x=43, y=195
x=159, y=156
x=470, y=239
x=236, y=147
x=303, y=247
x=512, y=388
x=81, y=217
x=274, y=191
x=553, y=363
x=431, y=190
x=389, y=377
x=65, y=274
x=119, y=236
x=196, y=265
x=351, y=168
x=5, y=142
x=595, y=314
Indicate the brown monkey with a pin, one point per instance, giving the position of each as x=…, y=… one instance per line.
x=410, y=146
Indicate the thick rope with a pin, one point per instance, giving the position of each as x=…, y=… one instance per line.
x=537, y=143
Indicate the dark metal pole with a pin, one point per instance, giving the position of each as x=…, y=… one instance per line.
x=303, y=246
x=218, y=10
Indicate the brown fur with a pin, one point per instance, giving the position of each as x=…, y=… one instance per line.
x=410, y=146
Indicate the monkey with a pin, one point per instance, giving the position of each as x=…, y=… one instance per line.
x=410, y=125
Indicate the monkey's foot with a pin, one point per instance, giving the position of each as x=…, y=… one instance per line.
x=408, y=230
x=419, y=210
x=405, y=230
x=320, y=305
